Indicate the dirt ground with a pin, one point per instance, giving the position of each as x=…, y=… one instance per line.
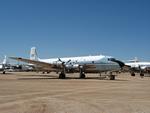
x=36, y=93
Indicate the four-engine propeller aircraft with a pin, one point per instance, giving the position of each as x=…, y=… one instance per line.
x=82, y=64
x=137, y=66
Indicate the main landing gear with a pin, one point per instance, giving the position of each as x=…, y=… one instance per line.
x=62, y=75
x=133, y=74
x=141, y=74
x=4, y=72
x=111, y=76
x=82, y=74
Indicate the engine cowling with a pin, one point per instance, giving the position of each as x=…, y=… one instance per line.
x=72, y=66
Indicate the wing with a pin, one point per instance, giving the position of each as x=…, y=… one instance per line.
x=43, y=65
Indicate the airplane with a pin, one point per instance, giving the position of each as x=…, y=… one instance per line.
x=4, y=65
x=81, y=64
x=137, y=66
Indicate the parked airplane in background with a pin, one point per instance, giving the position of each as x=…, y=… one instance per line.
x=137, y=66
x=4, y=65
x=83, y=64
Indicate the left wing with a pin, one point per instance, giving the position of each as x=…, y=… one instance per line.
x=37, y=63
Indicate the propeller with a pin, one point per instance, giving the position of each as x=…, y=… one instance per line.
x=63, y=63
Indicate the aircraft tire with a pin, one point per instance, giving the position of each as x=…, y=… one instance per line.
x=4, y=72
x=142, y=74
x=112, y=77
x=133, y=74
x=62, y=76
x=82, y=76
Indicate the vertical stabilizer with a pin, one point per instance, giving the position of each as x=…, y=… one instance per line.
x=5, y=60
x=33, y=54
x=134, y=60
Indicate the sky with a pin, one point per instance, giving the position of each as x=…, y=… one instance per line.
x=60, y=28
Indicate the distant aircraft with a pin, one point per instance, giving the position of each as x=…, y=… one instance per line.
x=4, y=65
x=137, y=66
x=82, y=64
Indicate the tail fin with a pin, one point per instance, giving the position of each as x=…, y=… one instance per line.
x=134, y=60
x=5, y=60
x=33, y=54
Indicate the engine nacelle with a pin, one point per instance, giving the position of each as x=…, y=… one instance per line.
x=72, y=66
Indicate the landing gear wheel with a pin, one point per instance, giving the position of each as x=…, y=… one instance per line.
x=112, y=77
x=142, y=75
x=82, y=72
x=62, y=76
x=82, y=76
x=4, y=72
x=48, y=72
x=133, y=74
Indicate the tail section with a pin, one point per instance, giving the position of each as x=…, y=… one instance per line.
x=33, y=54
x=5, y=60
x=134, y=60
